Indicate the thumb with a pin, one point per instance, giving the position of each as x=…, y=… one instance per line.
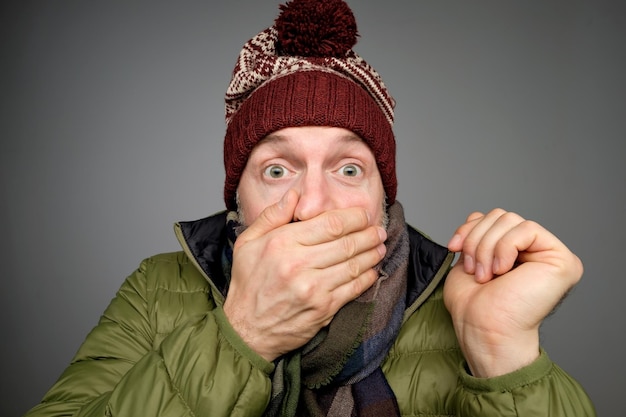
x=272, y=217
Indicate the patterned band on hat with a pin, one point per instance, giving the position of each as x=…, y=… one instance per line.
x=259, y=62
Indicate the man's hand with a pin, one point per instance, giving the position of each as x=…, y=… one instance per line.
x=511, y=274
x=289, y=278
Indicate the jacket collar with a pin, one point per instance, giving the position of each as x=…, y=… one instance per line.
x=203, y=241
x=429, y=264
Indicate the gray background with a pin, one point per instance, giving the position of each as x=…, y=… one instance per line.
x=112, y=120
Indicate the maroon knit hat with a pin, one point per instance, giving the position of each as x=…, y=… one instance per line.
x=303, y=72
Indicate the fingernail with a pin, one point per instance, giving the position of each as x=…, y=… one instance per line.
x=382, y=250
x=480, y=271
x=496, y=266
x=382, y=234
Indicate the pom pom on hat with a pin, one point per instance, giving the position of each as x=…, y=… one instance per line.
x=316, y=28
x=302, y=71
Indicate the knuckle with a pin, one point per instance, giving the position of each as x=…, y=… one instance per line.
x=474, y=216
x=305, y=291
x=288, y=270
x=356, y=289
x=334, y=225
x=497, y=212
x=353, y=268
x=359, y=286
x=348, y=246
x=573, y=267
x=531, y=225
x=510, y=216
x=578, y=267
x=274, y=245
x=363, y=217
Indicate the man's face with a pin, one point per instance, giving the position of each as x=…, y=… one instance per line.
x=330, y=167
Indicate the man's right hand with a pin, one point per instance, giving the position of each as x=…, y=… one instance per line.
x=289, y=279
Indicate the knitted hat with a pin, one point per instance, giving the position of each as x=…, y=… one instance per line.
x=302, y=71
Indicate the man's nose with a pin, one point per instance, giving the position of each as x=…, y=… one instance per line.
x=315, y=196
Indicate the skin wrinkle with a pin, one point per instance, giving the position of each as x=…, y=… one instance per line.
x=242, y=217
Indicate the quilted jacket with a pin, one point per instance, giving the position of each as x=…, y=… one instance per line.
x=163, y=347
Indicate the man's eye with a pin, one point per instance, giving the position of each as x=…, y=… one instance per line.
x=275, y=171
x=350, y=170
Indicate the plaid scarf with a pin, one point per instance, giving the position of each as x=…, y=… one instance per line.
x=338, y=373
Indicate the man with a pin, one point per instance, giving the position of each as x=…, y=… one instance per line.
x=311, y=295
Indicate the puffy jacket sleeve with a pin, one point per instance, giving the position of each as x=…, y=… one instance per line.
x=128, y=367
x=539, y=389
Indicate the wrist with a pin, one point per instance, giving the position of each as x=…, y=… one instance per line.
x=247, y=334
x=491, y=357
x=235, y=340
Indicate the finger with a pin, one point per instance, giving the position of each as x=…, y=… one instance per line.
x=327, y=254
x=467, y=236
x=484, y=242
x=456, y=242
x=508, y=248
x=477, y=215
x=350, y=269
x=352, y=289
x=530, y=242
x=271, y=217
x=331, y=225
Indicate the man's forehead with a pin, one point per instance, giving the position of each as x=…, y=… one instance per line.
x=284, y=136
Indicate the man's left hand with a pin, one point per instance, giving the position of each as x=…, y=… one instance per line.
x=510, y=275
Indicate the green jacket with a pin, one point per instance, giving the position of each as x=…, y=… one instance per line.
x=163, y=347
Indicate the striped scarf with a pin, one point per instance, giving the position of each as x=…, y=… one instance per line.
x=338, y=372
